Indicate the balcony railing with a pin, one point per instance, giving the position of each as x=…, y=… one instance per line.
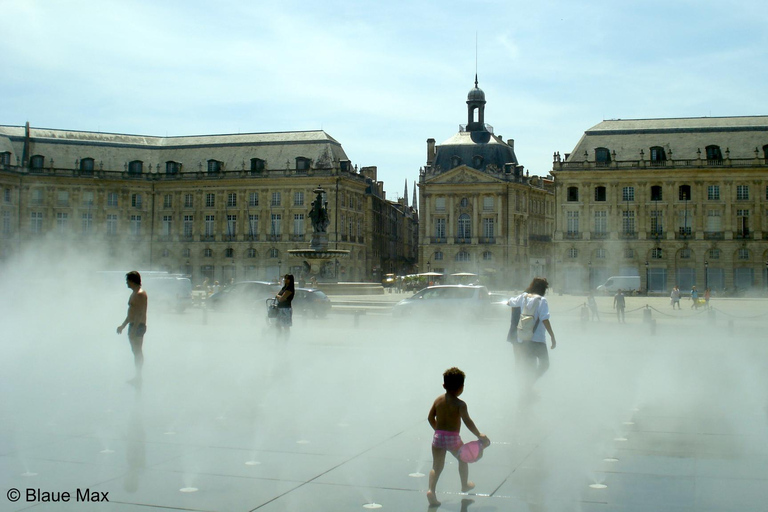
x=459, y=240
x=438, y=240
x=488, y=240
x=540, y=238
x=628, y=235
x=742, y=235
x=572, y=235
x=714, y=235
x=599, y=235
x=297, y=238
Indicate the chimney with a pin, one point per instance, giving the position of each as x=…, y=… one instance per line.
x=430, y=151
x=511, y=143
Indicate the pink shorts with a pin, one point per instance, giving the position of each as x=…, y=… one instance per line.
x=447, y=440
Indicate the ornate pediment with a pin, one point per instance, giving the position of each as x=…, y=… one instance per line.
x=462, y=174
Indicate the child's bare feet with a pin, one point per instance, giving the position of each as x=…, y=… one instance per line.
x=432, y=499
x=468, y=487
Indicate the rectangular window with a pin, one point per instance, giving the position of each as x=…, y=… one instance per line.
x=742, y=192
x=88, y=198
x=714, y=221
x=210, y=200
x=488, y=228
x=439, y=228
x=600, y=194
x=111, y=224
x=713, y=192
x=742, y=223
x=36, y=222
x=684, y=222
x=87, y=223
x=63, y=198
x=232, y=225
x=628, y=222
x=210, y=221
x=7, y=195
x=276, y=198
x=628, y=194
x=232, y=200
x=573, y=223
x=62, y=222
x=488, y=203
x=167, y=225
x=253, y=199
x=253, y=225
x=6, y=223
x=275, y=229
x=135, y=225
x=188, y=200
x=36, y=196
x=657, y=226
x=298, y=198
x=298, y=224
x=440, y=204
x=189, y=222
x=136, y=200
x=601, y=222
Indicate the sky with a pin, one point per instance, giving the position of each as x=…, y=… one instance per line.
x=379, y=77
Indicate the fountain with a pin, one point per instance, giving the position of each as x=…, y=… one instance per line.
x=318, y=252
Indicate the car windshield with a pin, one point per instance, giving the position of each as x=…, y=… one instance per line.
x=319, y=294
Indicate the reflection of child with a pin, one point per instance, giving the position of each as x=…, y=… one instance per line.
x=446, y=416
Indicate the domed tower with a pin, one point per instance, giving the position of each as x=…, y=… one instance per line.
x=475, y=109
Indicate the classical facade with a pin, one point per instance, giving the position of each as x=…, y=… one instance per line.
x=479, y=211
x=674, y=201
x=217, y=206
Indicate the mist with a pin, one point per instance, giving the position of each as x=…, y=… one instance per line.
x=231, y=418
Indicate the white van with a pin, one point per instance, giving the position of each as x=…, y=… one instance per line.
x=625, y=283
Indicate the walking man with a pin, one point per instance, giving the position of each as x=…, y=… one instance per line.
x=136, y=320
x=618, y=305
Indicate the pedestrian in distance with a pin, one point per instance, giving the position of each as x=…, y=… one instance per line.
x=445, y=417
x=592, y=304
x=619, y=305
x=136, y=320
x=694, y=298
x=707, y=296
x=284, y=310
x=674, y=297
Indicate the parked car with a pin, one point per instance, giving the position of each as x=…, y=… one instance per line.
x=448, y=301
x=311, y=302
x=243, y=295
x=168, y=292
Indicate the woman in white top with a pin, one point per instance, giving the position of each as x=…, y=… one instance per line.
x=531, y=357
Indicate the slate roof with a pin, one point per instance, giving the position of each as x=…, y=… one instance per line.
x=683, y=136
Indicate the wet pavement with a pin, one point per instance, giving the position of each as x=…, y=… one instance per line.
x=229, y=418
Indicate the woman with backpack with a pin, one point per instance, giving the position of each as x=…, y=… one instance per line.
x=530, y=320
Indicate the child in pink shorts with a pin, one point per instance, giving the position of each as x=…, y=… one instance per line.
x=446, y=416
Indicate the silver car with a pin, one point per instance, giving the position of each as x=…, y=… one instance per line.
x=446, y=301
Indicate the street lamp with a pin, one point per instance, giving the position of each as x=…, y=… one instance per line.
x=589, y=275
x=279, y=264
x=647, y=278
x=429, y=265
x=706, y=275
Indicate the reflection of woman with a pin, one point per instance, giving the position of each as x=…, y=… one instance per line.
x=284, y=299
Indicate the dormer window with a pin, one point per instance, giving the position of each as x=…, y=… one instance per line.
x=302, y=164
x=135, y=167
x=5, y=158
x=172, y=167
x=214, y=166
x=86, y=165
x=37, y=162
x=658, y=156
x=257, y=165
x=714, y=155
x=573, y=194
x=455, y=161
x=477, y=161
x=602, y=156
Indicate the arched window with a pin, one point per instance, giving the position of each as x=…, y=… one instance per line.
x=172, y=167
x=573, y=193
x=251, y=252
x=438, y=255
x=257, y=165
x=229, y=252
x=573, y=253
x=464, y=202
x=602, y=156
x=477, y=161
x=455, y=161
x=37, y=162
x=135, y=167
x=487, y=256
x=302, y=164
x=462, y=256
x=214, y=166
x=86, y=165
x=656, y=193
x=207, y=253
x=657, y=253
x=714, y=155
x=464, y=226
x=274, y=253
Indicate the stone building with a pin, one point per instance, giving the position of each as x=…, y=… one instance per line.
x=214, y=206
x=674, y=201
x=479, y=211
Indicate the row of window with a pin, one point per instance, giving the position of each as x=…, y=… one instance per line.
x=462, y=256
x=714, y=222
x=683, y=193
x=464, y=227
x=603, y=156
x=257, y=165
x=657, y=253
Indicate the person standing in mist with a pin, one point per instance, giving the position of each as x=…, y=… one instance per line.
x=136, y=320
x=619, y=305
x=284, y=309
x=531, y=357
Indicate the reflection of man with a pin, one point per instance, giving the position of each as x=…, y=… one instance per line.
x=136, y=320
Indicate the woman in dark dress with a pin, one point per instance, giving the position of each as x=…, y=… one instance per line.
x=284, y=310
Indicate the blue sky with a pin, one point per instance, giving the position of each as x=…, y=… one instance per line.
x=380, y=77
